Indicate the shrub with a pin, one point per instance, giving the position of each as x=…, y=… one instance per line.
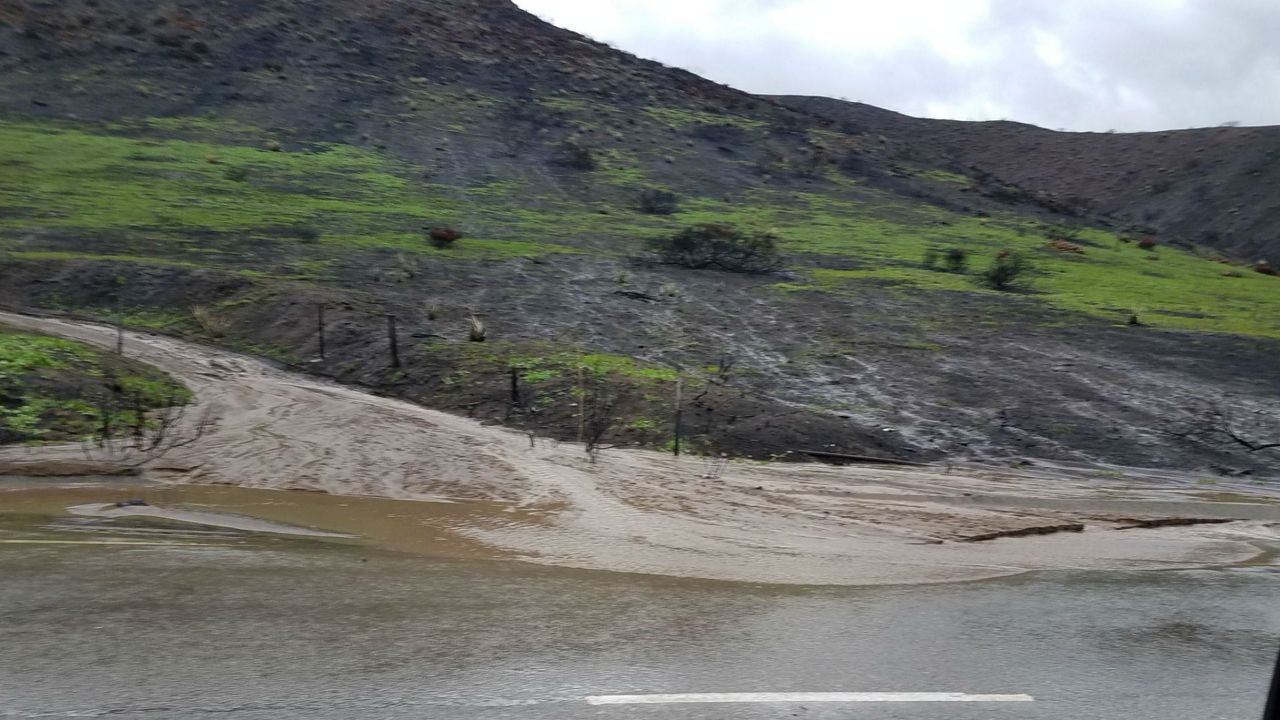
x=1265, y=267
x=719, y=247
x=931, y=259
x=720, y=133
x=210, y=324
x=659, y=202
x=236, y=173
x=305, y=233
x=443, y=237
x=406, y=267
x=1005, y=272
x=670, y=290
x=574, y=155
x=1148, y=243
x=956, y=260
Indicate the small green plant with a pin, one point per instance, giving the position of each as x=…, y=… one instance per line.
x=1006, y=272
x=622, y=278
x=236, y=173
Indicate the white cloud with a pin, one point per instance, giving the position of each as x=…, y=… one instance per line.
x=1079, y=64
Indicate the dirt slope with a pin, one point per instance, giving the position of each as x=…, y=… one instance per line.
x=644, y=512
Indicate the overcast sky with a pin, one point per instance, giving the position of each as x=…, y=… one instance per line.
x=1074, y=64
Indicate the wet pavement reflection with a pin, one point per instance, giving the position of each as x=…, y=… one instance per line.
x=249, y=625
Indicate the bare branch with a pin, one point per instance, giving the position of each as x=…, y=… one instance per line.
x=1214, y=423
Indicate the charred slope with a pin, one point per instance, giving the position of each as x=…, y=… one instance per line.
x=219, y=171
x=1209, y=186
x=470, y=86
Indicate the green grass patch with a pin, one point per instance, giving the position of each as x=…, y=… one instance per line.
x=682, y=117
x=132, y=259
x=74, y=179
x=52, y=389
x=943, y=176
x=176, y=200
x=1168, y=288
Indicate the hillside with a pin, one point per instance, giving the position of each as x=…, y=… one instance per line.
x=1209, y=186
x=223, y=172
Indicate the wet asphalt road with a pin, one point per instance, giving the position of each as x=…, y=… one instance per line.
x=303, y=629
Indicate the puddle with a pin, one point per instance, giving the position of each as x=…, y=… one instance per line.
x=417, y=527
x=199, y=517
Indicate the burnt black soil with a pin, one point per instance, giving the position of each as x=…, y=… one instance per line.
x=1027, y=385
x=1209, y=186
x=872, y=370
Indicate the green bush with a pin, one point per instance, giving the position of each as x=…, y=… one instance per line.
x=956, y=260
x=719, y=247
x=1006, y=272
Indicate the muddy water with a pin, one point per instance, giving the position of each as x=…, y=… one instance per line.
x=258, y=626
x=292, y=629
x=422, y=528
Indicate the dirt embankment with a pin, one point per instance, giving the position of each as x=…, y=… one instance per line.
x=645, y=512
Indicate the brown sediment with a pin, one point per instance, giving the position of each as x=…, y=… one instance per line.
x=480, y=491
x=1151, y=523
x=1026, y=532
x=40, y=467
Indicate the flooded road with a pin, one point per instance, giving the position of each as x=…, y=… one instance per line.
x=250, y=626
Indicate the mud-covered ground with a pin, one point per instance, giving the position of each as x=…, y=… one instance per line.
x=641, y=511
x=984, y=379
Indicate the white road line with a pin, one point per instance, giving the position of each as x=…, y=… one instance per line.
x=801, y=697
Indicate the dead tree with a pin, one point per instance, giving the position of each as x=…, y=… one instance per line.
x=393, y=342
x=131, y=434
x=320, y=327
x=598, y=405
